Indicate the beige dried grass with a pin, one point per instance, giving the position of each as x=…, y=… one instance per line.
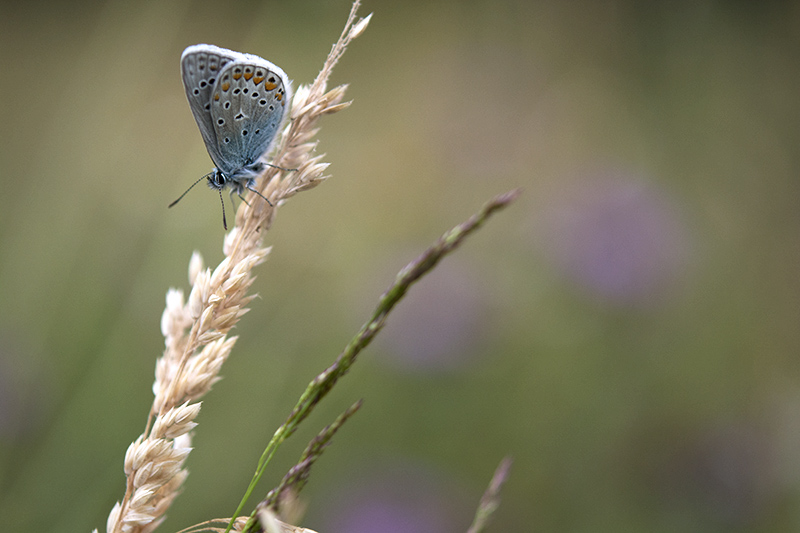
x=196, y=331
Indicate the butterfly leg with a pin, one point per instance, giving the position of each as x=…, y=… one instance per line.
x=249, y=188
x=281, y=168
x=239, y=194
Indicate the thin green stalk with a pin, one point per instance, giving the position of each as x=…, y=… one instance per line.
x=491, y=498
x=324, y=382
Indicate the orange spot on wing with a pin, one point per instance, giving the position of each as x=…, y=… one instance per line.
x=258, y=79
x=216, y=97
x=248, y=75
x=269, y=86
x=226, y=86
x=237, y=75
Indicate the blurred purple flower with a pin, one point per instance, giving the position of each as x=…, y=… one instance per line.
x=400, y=498
x=616, y=235
x=439, y=323
x=723, y=475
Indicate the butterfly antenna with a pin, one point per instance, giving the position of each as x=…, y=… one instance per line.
x=224, y=222
x=187, y=190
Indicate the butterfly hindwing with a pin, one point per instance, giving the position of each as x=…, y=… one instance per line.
x=247, y=106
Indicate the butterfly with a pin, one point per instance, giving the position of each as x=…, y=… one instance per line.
x=239, y=102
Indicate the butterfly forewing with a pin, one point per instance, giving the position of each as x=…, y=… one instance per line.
x=200, y=68
x=247, y=106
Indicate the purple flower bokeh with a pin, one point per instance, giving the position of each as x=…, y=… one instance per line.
x=439, y=323
x=401, y=497
x=616, y=235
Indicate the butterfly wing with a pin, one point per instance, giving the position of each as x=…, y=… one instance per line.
x=200, y=68
x=248, y=104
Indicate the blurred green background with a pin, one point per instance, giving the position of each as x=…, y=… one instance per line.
x=627, y=331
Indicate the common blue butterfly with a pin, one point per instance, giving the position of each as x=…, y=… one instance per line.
x=239, y=102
